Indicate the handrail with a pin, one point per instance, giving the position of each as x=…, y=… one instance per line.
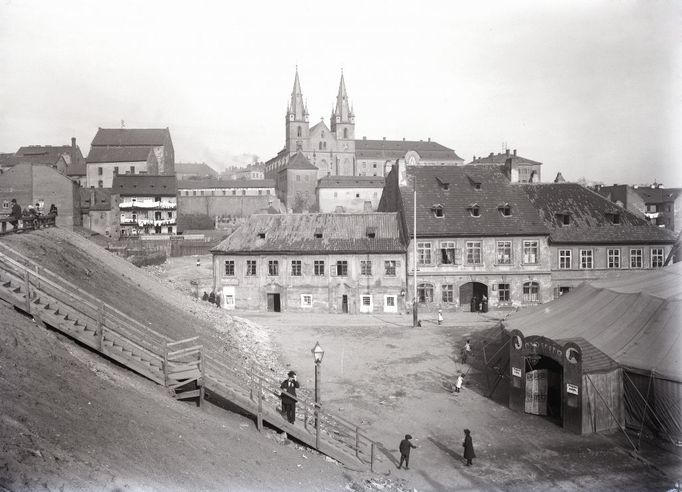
x=250, y=374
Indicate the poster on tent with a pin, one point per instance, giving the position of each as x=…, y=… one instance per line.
x=536, y=392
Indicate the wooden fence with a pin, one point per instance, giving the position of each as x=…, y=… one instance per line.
x=185, y=367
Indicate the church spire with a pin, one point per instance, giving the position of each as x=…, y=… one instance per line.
x=297, y=110
x=342, y=113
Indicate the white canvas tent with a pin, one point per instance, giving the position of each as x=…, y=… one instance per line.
x=635, y=320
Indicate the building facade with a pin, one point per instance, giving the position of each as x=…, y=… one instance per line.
x=99, y=212
x=349, y=193
x=336, y=263
x=147, y=204
x=477, y=235
x=194, y=170
x=223, y=198
x=296, y=183
x=592, y=238
x=39, y=183
x=661, y=206
x=128, y=151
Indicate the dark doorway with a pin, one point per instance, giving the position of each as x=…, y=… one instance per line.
x=554, y=385
x=273, y=303
x=344, y=304
x=470, y=290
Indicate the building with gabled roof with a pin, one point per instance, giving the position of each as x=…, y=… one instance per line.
x=194, y=170
x=376, y=157
x=147, y=204
x=519, y=169
x=659, y=205
x=339, y=263
x=129, y=151
x=296, y=182
x=477, y=235
x=592, y=237
x=349, y=193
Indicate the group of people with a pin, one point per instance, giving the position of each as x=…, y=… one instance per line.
x=479, y=304
x=212, y=298
x=406, y=446
x=31, y=213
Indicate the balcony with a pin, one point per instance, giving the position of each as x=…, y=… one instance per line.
x=146, y=205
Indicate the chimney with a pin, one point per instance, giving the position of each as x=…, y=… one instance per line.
x=73, y=151
x=514, y=152
x=383, y=138
x=507, y=152
x=403, y=139
x=429, y=139
x=491, y=154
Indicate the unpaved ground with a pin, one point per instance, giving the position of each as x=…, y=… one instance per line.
x=69, y=420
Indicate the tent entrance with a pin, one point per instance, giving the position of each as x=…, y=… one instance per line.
x=543, y=389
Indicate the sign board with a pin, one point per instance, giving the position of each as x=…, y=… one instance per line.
x=572, y=388
x=516, y=372
x=536, y=392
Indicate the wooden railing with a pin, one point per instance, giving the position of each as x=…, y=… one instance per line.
x=185, y=366
x=28, y=222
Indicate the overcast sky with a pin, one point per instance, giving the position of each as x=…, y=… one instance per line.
x=588, y=88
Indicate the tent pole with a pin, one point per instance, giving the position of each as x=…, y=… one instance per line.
x=641, y=429
x=658, y=420
x=609, y=409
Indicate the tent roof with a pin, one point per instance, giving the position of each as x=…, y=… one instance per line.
x=636, y=320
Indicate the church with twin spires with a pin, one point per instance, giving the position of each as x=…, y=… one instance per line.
x=320, y=151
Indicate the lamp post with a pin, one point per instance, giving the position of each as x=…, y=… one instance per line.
x=318, y=354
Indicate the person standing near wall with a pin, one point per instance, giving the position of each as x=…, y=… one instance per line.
x=468, y=447
x=15, y=214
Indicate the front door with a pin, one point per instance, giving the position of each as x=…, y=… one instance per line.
x=273, y=303
x=344, y=304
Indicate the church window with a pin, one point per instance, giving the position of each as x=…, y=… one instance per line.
x=299, y=132
x=345, y=133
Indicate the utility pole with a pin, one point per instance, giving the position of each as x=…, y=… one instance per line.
x=415, y=315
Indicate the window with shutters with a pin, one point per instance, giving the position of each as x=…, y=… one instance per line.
x=448, y=253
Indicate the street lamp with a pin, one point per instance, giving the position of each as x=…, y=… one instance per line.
x=318, y=354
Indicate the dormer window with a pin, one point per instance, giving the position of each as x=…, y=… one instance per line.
x=261, y=235
x=318, y=233
x=477, y=186
x=371, y=232
x=438, y=210
x=613, y=217
x=505, y=209
x=564, y=219
x=443, y=185
x=474, y=210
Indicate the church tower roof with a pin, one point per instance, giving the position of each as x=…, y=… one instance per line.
x=342, y=109
x=297, y=107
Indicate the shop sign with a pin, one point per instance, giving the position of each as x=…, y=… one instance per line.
x=572, y=388
x=516, y=372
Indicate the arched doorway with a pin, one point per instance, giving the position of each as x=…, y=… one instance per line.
x=470, y=290
x=544, y=380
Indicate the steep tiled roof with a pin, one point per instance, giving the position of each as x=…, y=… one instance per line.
x=396, y=149
x=499, y=159
x=459, y=199
x=44, y=154
x=136, y=137
x=196, y=184
x=299, y=161
x=295, y=233
x=197, y=169
x=143, y=185
x=118, y=154
x=351, y=182
x=7, y=159
x=590, y=216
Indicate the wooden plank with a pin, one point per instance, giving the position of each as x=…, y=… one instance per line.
x=185, y=351
x=186, y=374
x=186, y=340
x=188, y=394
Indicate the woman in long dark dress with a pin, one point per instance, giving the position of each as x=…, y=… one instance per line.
x=468, y=447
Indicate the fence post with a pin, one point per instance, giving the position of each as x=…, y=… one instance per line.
x=203, y=375
x=100, y=326
x=371, y=462
x=357, y=441
x=28, y=290
x=260, y=404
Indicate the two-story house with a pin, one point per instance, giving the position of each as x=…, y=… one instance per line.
x=472, y=233
x=592, y=238
x=147, y=204
x=337, y=263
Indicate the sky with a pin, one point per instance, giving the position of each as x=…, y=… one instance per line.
x=588, y=88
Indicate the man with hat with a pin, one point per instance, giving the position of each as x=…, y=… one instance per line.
x=405, y=447
x=289, y=386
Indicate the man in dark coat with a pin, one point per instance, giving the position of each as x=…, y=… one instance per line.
x=15, y=214
x=289, y=386
x=211, y=297
x=405, y=447
x=468, y=447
